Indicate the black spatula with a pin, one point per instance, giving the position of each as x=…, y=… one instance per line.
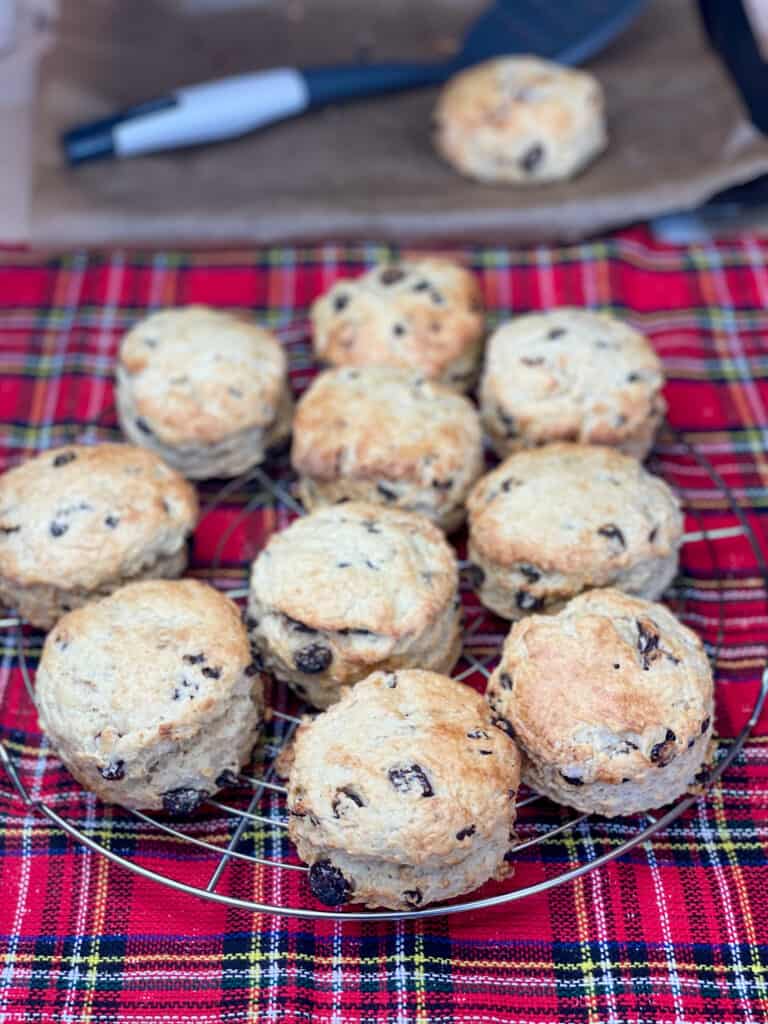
x=569, y=32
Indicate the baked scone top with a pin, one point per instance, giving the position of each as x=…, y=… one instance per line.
x=379, y=421
x=358, y=566
x=401, y=766
x=197, y=374
x=571, y=374
x=609, y=686
x=570, y=507
x=415, y=313
x=81, y=515
x=153, y=653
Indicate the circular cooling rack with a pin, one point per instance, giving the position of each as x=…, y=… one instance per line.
x=236, y=844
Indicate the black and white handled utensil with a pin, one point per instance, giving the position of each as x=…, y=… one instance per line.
x=569, y=32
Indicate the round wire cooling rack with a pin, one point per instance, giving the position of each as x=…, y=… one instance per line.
x=240, y=835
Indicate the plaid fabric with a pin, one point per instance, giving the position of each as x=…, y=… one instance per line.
x=675, y=931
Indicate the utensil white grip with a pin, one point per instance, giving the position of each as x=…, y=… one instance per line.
x=215, y=110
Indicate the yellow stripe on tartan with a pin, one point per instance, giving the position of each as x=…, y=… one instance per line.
x=723, y=831
x=582, y=919
x=419, y=977
x=99, y=917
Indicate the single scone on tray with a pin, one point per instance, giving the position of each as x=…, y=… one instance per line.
x=78, y=522
x=352, y=588
x=205, y=389
x=150, y=696
x=403, y=793
x=610, y=702
x=550, y=522
x=389, y=436
x=571, y=375
x=520, y=120
x=422, y=314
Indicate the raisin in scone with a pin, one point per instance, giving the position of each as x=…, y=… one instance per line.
x=403, y=793
x=150, y=696
x=387, y=436
x=352, y=588
x=571, y=375
x=521, y=120
x=423, y=314
x=78, y=522
x=550, y=522
x=611, y=703
x=206, y=390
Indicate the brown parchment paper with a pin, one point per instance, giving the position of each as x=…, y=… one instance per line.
x=677, y=127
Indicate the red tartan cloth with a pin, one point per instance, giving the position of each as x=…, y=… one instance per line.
x=676, y=930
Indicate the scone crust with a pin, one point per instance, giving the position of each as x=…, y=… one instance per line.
x=79, y=517
x=362, y=586
x=156, y=678
x=550, y=522
x=522, y=120
x=390, y=436
x=422, y=314
x=196, y=375
x=453, y=802
x=571, y=375
x=613, y=692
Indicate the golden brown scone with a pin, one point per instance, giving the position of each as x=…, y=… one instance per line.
x=206, y=390
x=149, y=696
x=550, y=522
x=387, y=436
x=611, y=702
x=571, y=375
x=403, y=793
x=352, y=588
x=423, y=314
x=78, y=522
x=521, y=120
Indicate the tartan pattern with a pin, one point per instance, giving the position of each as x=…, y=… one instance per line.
x=674, y=931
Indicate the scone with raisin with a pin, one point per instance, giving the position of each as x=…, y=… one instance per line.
x=150, y=696
x=205, y=389
x=571, y=375
x=403, y=793
x=423, y=314
x=388, y=436
x=78, y=522
x=521, y=120
x=550, y=522
x=352, y=588
x=610, y=701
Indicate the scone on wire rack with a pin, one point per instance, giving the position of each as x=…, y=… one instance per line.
x=520, y=120
x=571, y=375
x=403, y=793
x=388, y=436
x=78, y=522
x=352, y=588
x=150, y=697
x=424, y=314
x=610, y=701
x=550, y=522
x=205, y=389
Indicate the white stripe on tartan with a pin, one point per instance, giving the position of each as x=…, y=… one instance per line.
x=706, y=835
x=104, y=337
x=84, y=901
x=594, y=881
x=337, y=973
x=751, y=391
x=545, y=277
x=30, y=820
x=62, y=331
x=400, y=974
x=669, y=946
